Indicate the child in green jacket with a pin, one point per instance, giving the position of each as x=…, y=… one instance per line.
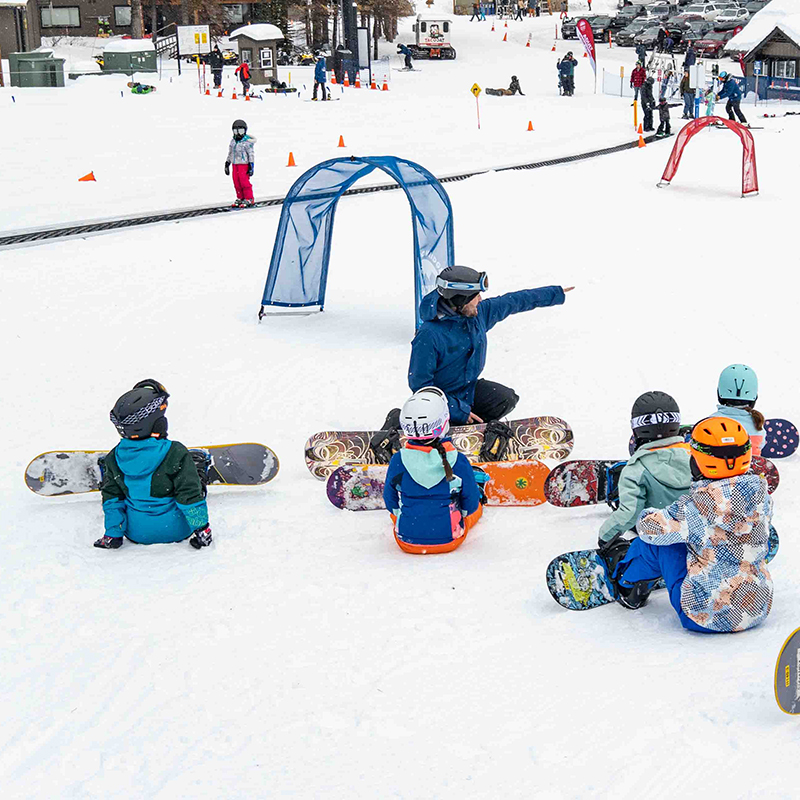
x=658, y=472
x=152, y=491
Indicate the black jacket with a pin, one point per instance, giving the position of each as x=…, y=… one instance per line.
x=215, y=59
x=513, y=87
x=648, y=101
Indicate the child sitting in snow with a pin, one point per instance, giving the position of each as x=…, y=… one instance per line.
x=152, y=492
x=657, y=473
x=711, y=545
x=241, y=155
x=737, y=392
x=430, y=488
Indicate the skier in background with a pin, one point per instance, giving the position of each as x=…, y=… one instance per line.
x=638, y=77
x=657, y=473
x=430, y=488
x=320, y=76
x=648, y=104
x=711, y=545
x=401, y=48
x=241, y=155
x=687, y=93
x=216, y=62
x=566, y=71
x=152, y=492
x=243, y=71
x=449, y=352
x=731, y=90
x=737, y=392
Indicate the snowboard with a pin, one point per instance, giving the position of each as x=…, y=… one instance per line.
x=585, y=483
x=535, y=439
x=57, y=473
x=577, y=580
x=787, y=675
x=359, y=487
x=781, y=438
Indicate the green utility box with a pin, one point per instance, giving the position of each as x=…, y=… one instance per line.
x=36, y=69
x=130, y=55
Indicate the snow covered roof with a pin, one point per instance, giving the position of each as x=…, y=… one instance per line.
x=260, y=32
x=128, y=46
x=13, y=3
x=783, y=14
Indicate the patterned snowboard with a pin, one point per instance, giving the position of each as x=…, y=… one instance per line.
x=64, y=472
x=787, y=675
x=535, y=439
x=359, y=487
x=577, y=580
x=781, y=440
x=584, y=483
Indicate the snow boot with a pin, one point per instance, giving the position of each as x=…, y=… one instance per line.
x=386, y=442
x=613, y=553
x=237, y=203
x=248, y=203
x=496, y=438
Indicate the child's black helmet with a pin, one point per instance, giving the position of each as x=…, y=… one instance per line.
x=655, y=415
x=141, y=412
x=239, y=128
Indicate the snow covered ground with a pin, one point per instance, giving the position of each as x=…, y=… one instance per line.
x=304, y=655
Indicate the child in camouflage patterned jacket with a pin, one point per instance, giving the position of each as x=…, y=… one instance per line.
x=711, y=545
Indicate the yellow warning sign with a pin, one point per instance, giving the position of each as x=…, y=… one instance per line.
x=476, y=90
x=205, y=38
x=197, y=38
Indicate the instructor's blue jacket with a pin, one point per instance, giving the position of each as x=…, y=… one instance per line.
x=319, y=71
x=731, y=89
x=449, y=351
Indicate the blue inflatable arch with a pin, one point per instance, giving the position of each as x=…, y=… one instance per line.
x=298, y=269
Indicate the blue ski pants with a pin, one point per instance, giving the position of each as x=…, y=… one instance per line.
x=646, y=562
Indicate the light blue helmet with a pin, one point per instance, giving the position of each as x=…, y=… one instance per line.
x=738, y=382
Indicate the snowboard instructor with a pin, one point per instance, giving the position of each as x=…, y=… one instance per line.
x=449, y=351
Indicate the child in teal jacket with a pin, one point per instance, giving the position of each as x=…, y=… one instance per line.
x=152, y=491
x=658, y=472
x=737, y=392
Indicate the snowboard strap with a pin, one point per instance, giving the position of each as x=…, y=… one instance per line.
x=481, y=478
x=496, y=438
x=384, y=444
x=612, y=483
x=202, y=463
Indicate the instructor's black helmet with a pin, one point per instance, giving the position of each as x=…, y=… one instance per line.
x=458, y=285
x=655, y=415
x=239, y=129
x=141, y=412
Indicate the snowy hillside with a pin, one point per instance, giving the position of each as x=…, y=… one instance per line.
x=304, y=655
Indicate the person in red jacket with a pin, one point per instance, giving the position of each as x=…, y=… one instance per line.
x=243, y=71
x=638, y=77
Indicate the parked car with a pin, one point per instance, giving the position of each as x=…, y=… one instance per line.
x=707, y=11
x=601, y=27
x=628, y=15
x=662, y=9
x=569, y=29
x=730, y=18
x=754, y=6
x=647, y=37
x=712, y=45
x=624, y=38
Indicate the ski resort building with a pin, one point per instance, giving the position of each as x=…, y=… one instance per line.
x=19, y=28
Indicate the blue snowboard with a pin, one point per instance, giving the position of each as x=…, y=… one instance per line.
x=578, y=580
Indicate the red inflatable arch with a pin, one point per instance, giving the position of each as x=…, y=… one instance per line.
x=749, y=174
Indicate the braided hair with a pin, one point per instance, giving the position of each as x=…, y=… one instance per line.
x=437, y=445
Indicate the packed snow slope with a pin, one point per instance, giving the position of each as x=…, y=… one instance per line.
x=167, y=149
x=303, y=654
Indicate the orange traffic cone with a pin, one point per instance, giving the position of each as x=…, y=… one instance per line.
x=333, y=77
x=358, y=81
x=346, y=79
x=530, y=125
x=291, y=160
x=493, y=27
x=505, y=37
x=528, y=43
x=208, y=92
x=233, y=96
x=341, y=141
x=585, y=54
x=553, y=48
x=219, y=93
x=642, y=142
x=373, y=85
x=89, y=177
x=247, y=98
x=385, y=87
x=505, y=25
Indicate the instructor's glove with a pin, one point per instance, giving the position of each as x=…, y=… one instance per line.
x=109, y=542
x=227, y=167
x=251, y=168
x=201, y=537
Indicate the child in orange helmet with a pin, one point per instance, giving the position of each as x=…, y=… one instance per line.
x=711, y=545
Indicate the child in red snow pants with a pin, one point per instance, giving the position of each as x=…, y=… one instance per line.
x=241, y=182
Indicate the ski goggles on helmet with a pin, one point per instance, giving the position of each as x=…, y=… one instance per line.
x=239, y=132
x=465, y=287
x=656, y=418
x=727, y=452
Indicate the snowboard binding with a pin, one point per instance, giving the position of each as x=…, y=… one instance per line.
x=496, y=439
x=384, y=444
x=481, y=478
x=202, y=463
x=612, y=483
